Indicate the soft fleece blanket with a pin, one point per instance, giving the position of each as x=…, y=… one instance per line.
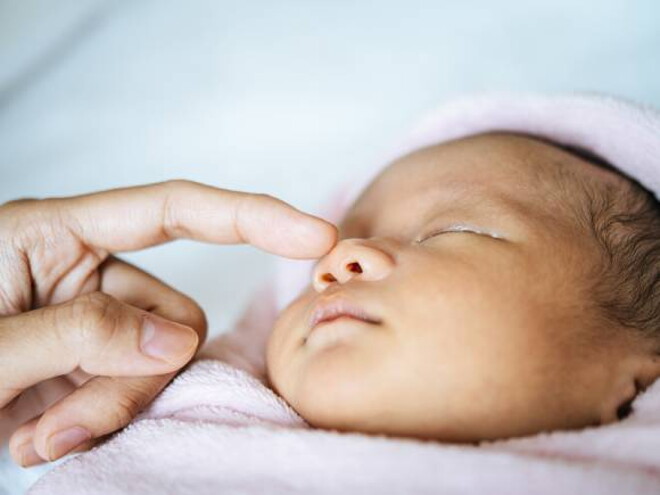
x=217, y=428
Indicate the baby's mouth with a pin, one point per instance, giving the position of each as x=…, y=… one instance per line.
x=332, y=309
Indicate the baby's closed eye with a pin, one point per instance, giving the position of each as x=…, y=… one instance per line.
x=458, y=228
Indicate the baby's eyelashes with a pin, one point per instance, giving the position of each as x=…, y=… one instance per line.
x=459, y=228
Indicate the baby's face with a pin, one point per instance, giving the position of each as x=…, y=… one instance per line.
x=467, y=271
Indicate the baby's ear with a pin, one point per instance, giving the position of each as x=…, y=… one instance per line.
x=636, y=374
x=618, y=403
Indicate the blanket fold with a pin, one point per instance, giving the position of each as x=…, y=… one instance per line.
x=217, y=429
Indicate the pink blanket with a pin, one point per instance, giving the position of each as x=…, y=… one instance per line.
x=218, y=429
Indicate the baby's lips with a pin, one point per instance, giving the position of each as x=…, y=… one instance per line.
x=336, y=307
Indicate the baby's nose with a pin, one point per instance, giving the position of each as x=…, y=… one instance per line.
x=352, y=258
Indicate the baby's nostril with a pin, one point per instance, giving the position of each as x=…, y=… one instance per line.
x=354, y=267
x=327, y=277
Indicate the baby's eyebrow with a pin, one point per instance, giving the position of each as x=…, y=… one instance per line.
x=469, y=193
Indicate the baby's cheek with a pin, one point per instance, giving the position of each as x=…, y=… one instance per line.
x=277, y=354
x=328, y=388
x=284, y=350
x=345, y=385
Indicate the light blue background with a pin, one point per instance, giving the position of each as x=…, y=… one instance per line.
x=285, y=97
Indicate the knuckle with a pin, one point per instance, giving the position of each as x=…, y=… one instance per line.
x=13, y=212
x=33, y=208
x=241, y=212
x=94, y=306
x=18, y=203
x=126, y=408
x=247, y=207
x=255, y=202
x=134, y=395
x=97, y=316
x=28, y=222
x=177, y=184
x=170, y=221
x=264, y=197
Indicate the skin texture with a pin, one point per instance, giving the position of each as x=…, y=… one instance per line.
x=480, y=337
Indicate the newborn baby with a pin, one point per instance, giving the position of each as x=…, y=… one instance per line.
x=487, y=287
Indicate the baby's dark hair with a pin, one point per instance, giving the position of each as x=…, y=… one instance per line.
x=624, y=219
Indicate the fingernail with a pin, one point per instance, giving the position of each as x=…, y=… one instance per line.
x=65, y=441
x=28, y=456
x=166, y=340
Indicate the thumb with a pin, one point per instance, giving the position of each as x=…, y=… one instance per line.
x=94, y=332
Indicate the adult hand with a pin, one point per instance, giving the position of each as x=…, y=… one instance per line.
x=77, y=322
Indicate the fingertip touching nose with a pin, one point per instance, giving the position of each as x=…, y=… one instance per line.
x=351, y=259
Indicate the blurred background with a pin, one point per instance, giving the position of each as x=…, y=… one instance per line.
x=287, y=97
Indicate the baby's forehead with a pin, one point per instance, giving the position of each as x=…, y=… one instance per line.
x=539, y=181
x=501, y=153
x=522, y=167
x=516, y=167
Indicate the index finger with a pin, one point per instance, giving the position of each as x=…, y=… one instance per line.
x=133, y=218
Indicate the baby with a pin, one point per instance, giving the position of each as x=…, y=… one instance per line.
x=492, y=286
x=496, y=280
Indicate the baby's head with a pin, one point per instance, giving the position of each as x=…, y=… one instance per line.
x=500, y=286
